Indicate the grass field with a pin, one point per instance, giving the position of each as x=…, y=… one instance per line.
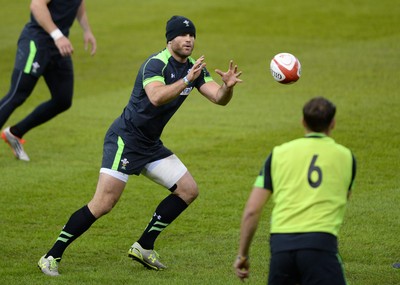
x=349, y=52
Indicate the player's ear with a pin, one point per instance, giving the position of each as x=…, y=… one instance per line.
x=306, y=128
x=333, y=124
x=303, y=122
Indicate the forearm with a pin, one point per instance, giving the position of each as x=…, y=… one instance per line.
x=160, y=94
x=224, y=95
x=251, y=218
x=218, y=94
x=247, y=231
x=82, y=18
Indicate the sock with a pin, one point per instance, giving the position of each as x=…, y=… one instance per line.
x=167, y=211
x=78, y=223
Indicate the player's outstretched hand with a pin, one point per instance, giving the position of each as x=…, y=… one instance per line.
x=231, y=77
x=195, y=71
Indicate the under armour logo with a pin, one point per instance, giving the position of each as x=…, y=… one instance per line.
x=172, y=75
x=152, y=258
x=186, y=22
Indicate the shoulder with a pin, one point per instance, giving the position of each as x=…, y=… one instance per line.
x=155, y=63
x=288, y=145
x=342, y=149
x=162, y=56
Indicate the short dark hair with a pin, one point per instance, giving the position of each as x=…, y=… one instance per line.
x=318, y=114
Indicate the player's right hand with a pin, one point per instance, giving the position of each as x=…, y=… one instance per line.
x=64, y=46
x=196, y=69
x=241, y=266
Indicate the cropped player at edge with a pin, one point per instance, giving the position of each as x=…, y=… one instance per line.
x=310, y=180
x=44, y=50
x=132, y=144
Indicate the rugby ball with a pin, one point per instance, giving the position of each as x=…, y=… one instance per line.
x=285, y=68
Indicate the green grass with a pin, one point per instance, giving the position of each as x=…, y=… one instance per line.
x=349, y=51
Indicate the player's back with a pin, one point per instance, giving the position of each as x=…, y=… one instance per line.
x=311, y=178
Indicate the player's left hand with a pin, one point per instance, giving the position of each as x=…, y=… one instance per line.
x=231, y=77
x=89, y=38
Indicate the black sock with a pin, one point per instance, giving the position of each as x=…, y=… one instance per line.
x=15, y=131
x=78, y=223
x=167, y=211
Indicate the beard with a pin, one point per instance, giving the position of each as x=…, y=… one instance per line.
x=183, y=52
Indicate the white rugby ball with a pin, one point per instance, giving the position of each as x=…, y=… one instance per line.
x=285, y=68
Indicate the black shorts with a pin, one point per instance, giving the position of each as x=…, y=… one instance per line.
x=306, y=266
x=36, y=56
x=126, y=155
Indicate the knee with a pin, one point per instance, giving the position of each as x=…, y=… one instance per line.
x=100, y=207
x=193, y=192
x=17, y=99
x=106, y=209
x=63, y=105
x=102, y=211
x=188, y=192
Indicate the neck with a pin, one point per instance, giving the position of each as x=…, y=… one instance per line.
x=308, y=132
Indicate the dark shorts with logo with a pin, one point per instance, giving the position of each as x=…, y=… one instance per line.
x=125, y=153
x=35, y=57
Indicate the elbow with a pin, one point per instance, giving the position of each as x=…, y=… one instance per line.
x=222, y=102
x=158, y=99
x=224, y=99
x=156, y=102
x=251, y=215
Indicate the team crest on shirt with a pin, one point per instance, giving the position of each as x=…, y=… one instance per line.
x=124, y=162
